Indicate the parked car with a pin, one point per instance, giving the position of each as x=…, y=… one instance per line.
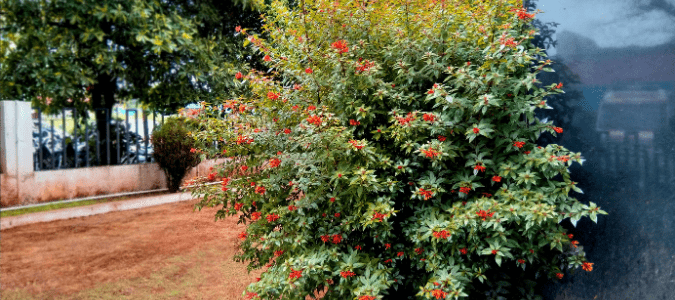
x=55, y=157
x=642, y=114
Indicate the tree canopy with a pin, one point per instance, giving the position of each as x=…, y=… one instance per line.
x=95, y=52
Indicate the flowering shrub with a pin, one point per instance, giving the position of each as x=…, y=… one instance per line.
x=174, y=151
x=395, y=154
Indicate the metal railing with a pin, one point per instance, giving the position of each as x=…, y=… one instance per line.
x=83, y=146
x=644, y=161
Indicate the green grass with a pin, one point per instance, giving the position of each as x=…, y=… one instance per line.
x=23, y=211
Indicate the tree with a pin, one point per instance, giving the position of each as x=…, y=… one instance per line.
x=92, y=54
x=396, y=154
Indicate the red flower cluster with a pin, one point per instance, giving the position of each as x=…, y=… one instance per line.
x=427, y=194
x=587, y=266
x=238, y=76
x=388, y=261
x=356, y=144
x=419, y=251
x=510, y=42
x=364, y=66
x=292, y=207
x=244, y=168
x=255, y=216
x=325, y=238
x=494, y=252
x=439, y=294
x=441, y=138
x=465, y=190
x=399, y=254
x=522, y=14
x=443, y=234
x=238, y=206
x=476, y=130
x=558, y=129
x=387, y=246
x=273, y=95
x=521, y=261
x=311, y=108
x=242, y=236
x=309, y=71
x=287, y=131
x=405, y=121
x=251, y=295
x=575, y=243
x=431, y=152
x=314, y=119
x=337, y=215
x=340, y=46
x=358, y=247
x=559, y=86
x=463, y=251
x=559, y=275
x=295, y=274
x=346, y=274
x=212, y=177
x=337, y=238
x=272, y=217
x=242, y=139
x=497, y=178
x=378, y=216
x=278, y=253
x=332, y=200
x=275, y=162
x=485, y=214
x=260, y=190
x=354, y=122
x=429, y=117
x=267, y=58
x=518, y=144
x=564, y=158
x=479, y=167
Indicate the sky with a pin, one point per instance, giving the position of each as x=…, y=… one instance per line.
x=610, y=23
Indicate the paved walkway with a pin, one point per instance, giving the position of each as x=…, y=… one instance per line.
x=90, y=210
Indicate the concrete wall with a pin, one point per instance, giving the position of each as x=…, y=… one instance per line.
x=21, y=185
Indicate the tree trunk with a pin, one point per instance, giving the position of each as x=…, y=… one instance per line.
x=103, y=96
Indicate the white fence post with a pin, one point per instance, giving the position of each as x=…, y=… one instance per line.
x=16, y=152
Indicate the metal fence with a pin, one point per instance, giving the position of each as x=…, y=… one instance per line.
x=62, y=146
x=645, y=162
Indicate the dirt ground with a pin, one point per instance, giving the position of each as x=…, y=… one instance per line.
x=161, y=252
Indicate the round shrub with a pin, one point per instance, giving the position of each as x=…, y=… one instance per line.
x=396, y=156
x=174, y=150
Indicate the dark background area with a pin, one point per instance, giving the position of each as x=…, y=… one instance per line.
x=618, y=111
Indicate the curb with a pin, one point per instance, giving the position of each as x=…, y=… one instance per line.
x=90, y=210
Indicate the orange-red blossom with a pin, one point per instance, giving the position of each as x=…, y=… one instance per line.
x=431, y=152
x=314, y=119
x=439, y=294
x=587, y=266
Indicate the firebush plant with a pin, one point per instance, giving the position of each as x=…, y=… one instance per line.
x=389, y=152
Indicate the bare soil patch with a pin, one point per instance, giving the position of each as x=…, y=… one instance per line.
x=161, y=252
